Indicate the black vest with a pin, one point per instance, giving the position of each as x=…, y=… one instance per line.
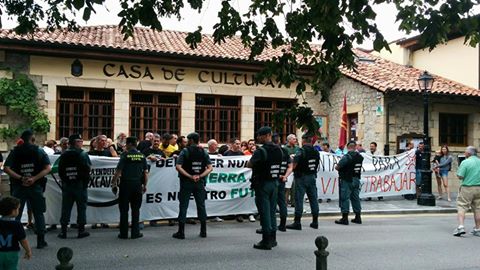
x=194, y=162
x=353, y=168
x=27, y=161
x=271, y=168
x=308, y=163
x=71, y=168
x=285, y=157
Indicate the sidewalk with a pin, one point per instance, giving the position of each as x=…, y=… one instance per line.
x=389, y=205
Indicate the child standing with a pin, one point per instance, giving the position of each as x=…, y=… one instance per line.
x=11, y=233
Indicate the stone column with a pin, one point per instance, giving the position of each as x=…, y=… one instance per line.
x=187, y=114
x=247, y=118
x=121, y=111
x=51, y=109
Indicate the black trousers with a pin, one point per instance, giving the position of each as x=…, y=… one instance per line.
x=129, y=197
x=199, y=193
x=74, y=193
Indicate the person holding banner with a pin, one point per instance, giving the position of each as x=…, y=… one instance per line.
x=193, y=165
x=266, y=162
x=349, y=171
x=74, y=170
x=305, y=165
x=133, y=174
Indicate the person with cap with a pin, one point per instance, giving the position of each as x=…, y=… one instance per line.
x=74, y=171
x=27, y=166
x=349, y=171
x=266, y=162
x=305, y=165
x=285, y=171
x=193, y=165
x=132, y=172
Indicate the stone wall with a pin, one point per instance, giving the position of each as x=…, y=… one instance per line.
x=406, y=117
x=10, y=64
x=361, y=99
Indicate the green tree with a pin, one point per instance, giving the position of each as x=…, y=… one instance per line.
x=304, y=22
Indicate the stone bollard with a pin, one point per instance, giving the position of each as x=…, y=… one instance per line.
x=321, y=242
x=64, y=255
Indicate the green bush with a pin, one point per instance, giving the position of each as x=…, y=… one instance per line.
x=20, y=95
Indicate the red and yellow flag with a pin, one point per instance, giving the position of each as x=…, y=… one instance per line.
x=342, y=140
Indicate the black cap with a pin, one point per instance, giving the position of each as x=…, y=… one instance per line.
x=74, y=137
x=307, y=135
x=264, y=131
x=193, y=136
x=131, y=140
x=26, y=135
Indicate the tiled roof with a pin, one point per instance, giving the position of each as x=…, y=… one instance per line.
x=387, y=76
x=373, y=71
x=143, y=40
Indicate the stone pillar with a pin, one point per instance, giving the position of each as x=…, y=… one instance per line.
x=51, y=109
x=247, y=118
x=187, y=114
x=121, y=120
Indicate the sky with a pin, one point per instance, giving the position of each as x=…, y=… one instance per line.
x=107, y=15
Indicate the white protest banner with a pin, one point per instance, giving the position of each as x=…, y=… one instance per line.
x=228, y=191
x=381, y=175
x=228, y=186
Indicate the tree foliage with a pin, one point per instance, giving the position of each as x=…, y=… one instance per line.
x=336, y=24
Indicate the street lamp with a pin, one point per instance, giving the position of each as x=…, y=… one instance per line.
x=425, y=83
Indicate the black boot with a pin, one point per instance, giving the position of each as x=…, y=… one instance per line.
x=357, y=219
x=181, y=231
x=63, y=233
x=273, y=239
x=264, y=244
x=314, y=223
x=203, y=229
x=259, y=231
x=343, y=220
x=282, y=227
x=81, y=232
x=41, y=241
x=296, y=225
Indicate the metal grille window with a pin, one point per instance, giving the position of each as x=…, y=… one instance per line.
x=453, y=129
x=84, y=111
x=154, y=112
x=264, y=111
x=217, y=117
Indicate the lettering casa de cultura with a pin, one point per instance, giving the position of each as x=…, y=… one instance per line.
x=179, y=74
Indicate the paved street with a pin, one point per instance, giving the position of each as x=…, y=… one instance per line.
x=421, y=241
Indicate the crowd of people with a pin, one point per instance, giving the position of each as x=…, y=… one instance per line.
x=27, y=165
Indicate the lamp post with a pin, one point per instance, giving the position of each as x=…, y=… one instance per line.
x=425, y=83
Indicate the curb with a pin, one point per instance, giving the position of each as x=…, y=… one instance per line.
x=386, y=212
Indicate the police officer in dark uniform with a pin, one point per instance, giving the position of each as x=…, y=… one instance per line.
x=305, y=165
x=285, y=171
x=349, y=170
x=193, y=165
x=27, y=166
x=266, y=162
x=74, y=170
x=133, y=174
